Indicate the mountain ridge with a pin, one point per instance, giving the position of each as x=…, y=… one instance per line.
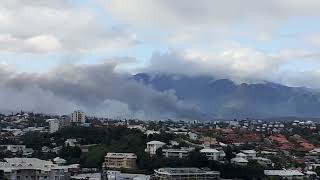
x=227, y=99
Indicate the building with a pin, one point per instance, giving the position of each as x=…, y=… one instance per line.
x=59, y=160
x=13, y=148
x=117, y=175
x=250, y=154
x=32, y=168
x=185, y=173
x=70, y=142
x=213, y=154
x=86, y=176
x=208, y=141
x=241, y=155
x=177, y=153
x=65, y=121
x=120, y=160
x=239, y=161
x=263, y=161
x=54, y=125
x=193, y=136
x=153, y=146
x=78, y=117
x=284, y=174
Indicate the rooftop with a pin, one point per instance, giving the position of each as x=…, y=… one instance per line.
x=209, y=150
x=184, y=171
x=27, y=163
x=121, y=155
x=282, y=173
x=156, y=142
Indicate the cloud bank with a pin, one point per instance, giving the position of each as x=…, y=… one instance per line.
x=96, y=89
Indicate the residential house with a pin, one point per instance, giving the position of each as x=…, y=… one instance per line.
x=213, y=154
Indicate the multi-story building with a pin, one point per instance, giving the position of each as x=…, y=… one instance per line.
x=32, y=168
x=13, y=148
x=117, y=175
x=120, y=160
x=78, y=117
x=153, y=146
x=213, y=154
x=54, y=125
x=177, y=153
x=185, y=173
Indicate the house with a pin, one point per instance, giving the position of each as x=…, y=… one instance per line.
x=208, y=141
x=45, y=149
x=241, y=155
x=177, y=153
x=251, y=154
x=27, y=152
x=239, y=161
x=153, y=146
x=151, y=132
x=193, y=136
x=315, y=152
x=70, y=142
x=213, y=154
x=120, y=160
x=263, y=161
x=59, y=160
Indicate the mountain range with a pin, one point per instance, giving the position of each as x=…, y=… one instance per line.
x=223, y=98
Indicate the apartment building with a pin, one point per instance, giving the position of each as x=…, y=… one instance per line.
x=153, y=146
x=32, y=168
x=78, y=117
x=177, y=153
x=120, y=160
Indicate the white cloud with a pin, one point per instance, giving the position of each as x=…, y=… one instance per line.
x=214, y=12
x=240, y=65
x=57, y=26
x=189, y=19
x=44, y=43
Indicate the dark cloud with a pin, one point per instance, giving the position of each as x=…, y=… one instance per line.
x=96, y=89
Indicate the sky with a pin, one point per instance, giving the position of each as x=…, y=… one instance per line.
x=245, y=41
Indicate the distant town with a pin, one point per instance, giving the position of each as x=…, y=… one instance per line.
x=76, y=146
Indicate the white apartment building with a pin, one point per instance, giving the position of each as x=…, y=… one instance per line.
x=54, y=125
x=32, y=168
x=177, y=153
x=152, y=146
x=78, y=117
